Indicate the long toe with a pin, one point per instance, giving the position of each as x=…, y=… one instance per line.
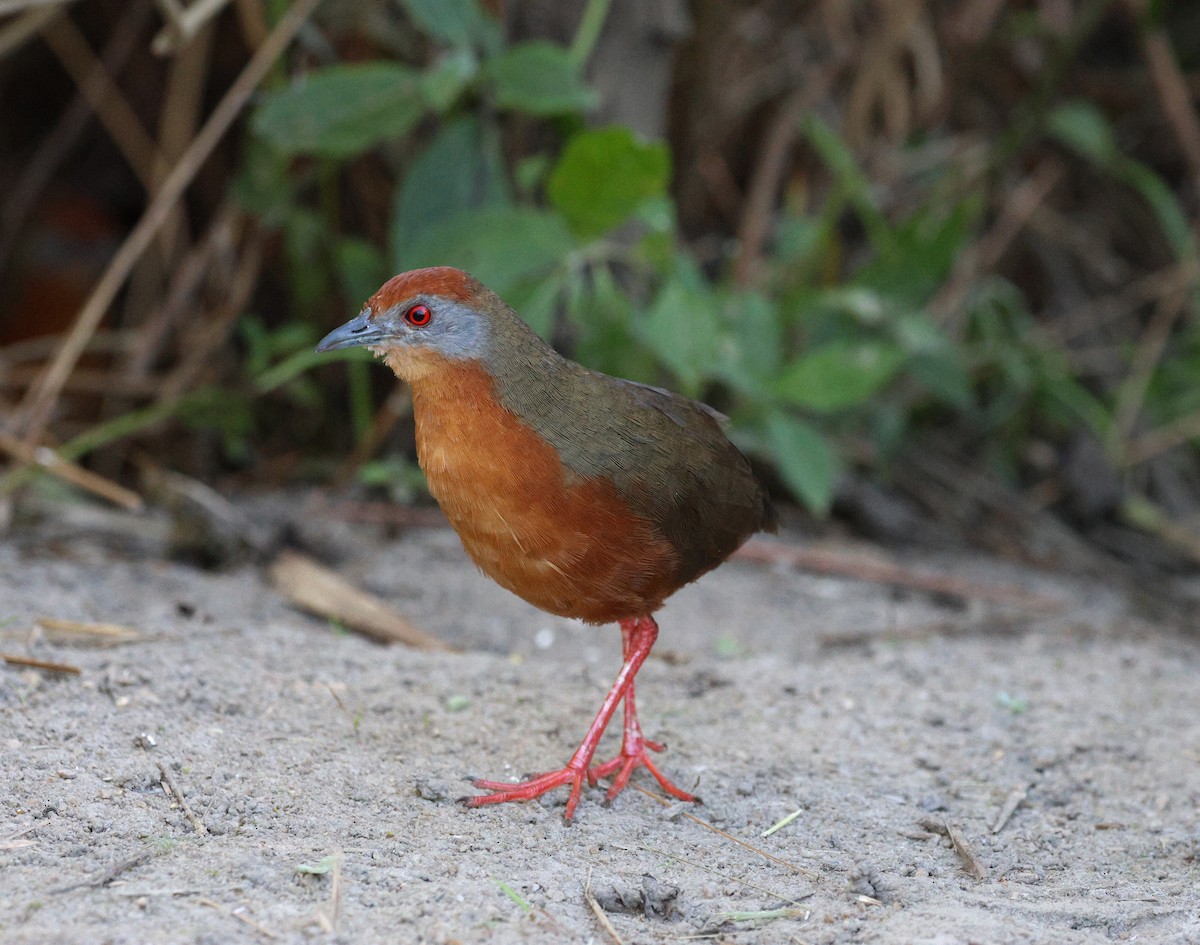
x=503, y=792
x=622, y=767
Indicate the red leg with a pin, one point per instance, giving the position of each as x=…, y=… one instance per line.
x=641, y=636
x=634, y=745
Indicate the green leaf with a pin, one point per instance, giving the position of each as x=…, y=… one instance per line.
x=604, y=175
x=806, y=461
x=1163, y=204
x=342, y=110
x=682, y=326
x=753, y=351
x=537, y=78
x=460, y=169
x=840, y=374
x=854, y=185
x=498, y=245
x=1082, y=127
x=444, y=82
x=454, y=22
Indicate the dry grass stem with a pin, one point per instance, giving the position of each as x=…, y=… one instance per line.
x=109, y=632
x=184, y=24
x=862, y=568
x=51, y=462
x=790, y=900
x=111, y=107
x=807, y=873
x=327, y=914
x=1011, y=803
x=176, y=792
x=1150, y=348
x=599, y=913
x=971, y=863
x=63, y=668
x=110, y=874
x=239, y=914
x=42, y=396
x=1173, y=91
x=16, y=33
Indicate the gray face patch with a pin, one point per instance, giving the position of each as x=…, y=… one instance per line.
x=454, y=331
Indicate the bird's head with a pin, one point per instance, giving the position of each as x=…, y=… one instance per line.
x=418, y=318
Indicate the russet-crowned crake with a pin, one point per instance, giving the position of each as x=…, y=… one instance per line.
x=587, y=495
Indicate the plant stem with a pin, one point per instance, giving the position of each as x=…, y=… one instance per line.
x=594, y=15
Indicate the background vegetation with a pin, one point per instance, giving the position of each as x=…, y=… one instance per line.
x=936, y=261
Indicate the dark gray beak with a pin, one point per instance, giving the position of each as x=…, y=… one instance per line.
x=358, y=331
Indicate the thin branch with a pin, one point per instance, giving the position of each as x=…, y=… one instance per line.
x=18, y=32
x=183, y=25
x=54, y=148
x=54, y=464
x=42, y=396
x=112, y=108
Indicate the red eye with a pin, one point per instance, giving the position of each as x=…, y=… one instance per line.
x=418, y=316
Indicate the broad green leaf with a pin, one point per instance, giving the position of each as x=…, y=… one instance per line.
x=498, y=245
x=454, y=22
x=537, y=78
x=602, y=314
x=342, y=110
x=444, y=82
x=807, y=462
x=921, y=253
x=840, y=374
x=751, y=352
x=682, y=326
x=865, y=306
x=460, y=169
x=604, y=175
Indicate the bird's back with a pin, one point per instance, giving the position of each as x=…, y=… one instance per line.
x=667, y=456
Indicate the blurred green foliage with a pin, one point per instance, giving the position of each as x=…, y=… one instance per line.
x=835, y=355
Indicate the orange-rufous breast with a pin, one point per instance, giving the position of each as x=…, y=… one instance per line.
x=568, y=545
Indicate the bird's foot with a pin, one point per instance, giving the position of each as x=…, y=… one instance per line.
x=624, y=764
x=502, y=791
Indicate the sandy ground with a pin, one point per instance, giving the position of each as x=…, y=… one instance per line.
x=323, y=768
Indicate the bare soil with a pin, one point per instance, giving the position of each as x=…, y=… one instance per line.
x=321, y=769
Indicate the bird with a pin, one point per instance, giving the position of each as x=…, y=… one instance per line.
x=587, y=495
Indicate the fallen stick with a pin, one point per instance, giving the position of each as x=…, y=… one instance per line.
x=176, y=792
x=54, y=464
x=820, y=561
x=64, y=668
x=1011, y=803
x=315, y=588
x=107, y=876
x=108, y=632
x=971, y=863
